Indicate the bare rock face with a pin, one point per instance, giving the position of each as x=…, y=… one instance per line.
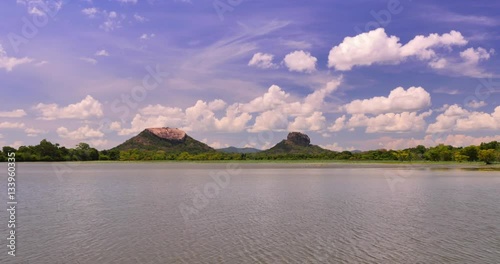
x=298, y=138
x=169, y=133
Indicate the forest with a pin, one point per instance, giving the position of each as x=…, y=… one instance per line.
x=47, y=151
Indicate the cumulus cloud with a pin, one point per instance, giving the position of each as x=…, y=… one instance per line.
x=476, y=104
x=275, y=110
x=33, y=132
x=376, y=47
x=466, y=65
x=13, y=113
x=81, y=133
x=390, y=122
x=399, y=100
x=314, y=122
x=455, y=118
x=262, y=60
x=8, y=63
x=88, y=107
x=300, y=61
x=200, y=117
x=90, y=12
x=11, y=125
x=338, y=125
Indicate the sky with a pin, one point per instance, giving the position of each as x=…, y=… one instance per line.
x=351, y=74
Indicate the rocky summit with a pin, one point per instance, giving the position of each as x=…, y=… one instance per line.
x=298, y=138
x=168, y=133
x=296, y=143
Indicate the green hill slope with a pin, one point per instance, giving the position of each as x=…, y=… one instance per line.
x=172, y=141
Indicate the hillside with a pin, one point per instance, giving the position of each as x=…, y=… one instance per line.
x=239, y=150
x=170, y=140
x=296, y=143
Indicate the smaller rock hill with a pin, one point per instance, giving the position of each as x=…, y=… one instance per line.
x=296, y=143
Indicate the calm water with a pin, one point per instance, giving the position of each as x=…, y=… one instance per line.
x=176, y=213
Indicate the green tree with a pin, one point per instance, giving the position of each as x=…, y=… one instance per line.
x=488, y=156
x=471, y=151
x=459, y=157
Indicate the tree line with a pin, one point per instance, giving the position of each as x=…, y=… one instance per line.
x=47, y=151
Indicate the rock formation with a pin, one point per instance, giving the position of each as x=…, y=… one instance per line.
x=168, y=133
x=298, y=138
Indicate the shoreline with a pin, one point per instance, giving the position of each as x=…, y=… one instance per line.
x=311, y=164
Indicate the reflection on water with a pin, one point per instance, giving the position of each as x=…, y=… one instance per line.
x=130, y=213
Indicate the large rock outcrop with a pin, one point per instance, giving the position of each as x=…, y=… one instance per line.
x=299, y=139
x=296, y=143
x=168, y=133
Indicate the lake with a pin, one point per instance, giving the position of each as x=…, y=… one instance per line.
x=252, y=213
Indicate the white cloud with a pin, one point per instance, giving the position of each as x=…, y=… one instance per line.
x=89, y=60
x=8, y=63
x=40, y=7
x=139, y=18
x=216, y=105
x=338, y=125
x=273, y=98
x=215, y=144
x=399, y=100
x=476, y=104
x=41, y=63
x=11, y=125
x=102, y=53
x=376, y=47
x=127, y=1
x=90, y=12
x=270, y=121
x=112, y=22
x=86, y=108
x=98, y=143
x=81, y=133
x=335, y=147
x=391, y=122
x=314, y=122
x=274, y=109
x=147, y=36
x=262, y=60
x=13, y=113
x=455, y=118
x=33, y=132
x=300, y=61
x=199, y=117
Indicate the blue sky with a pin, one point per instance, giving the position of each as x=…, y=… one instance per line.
x=351, y=74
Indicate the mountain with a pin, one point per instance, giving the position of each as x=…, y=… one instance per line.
x=170, y=140
x=239, y=150
x=296, y=143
